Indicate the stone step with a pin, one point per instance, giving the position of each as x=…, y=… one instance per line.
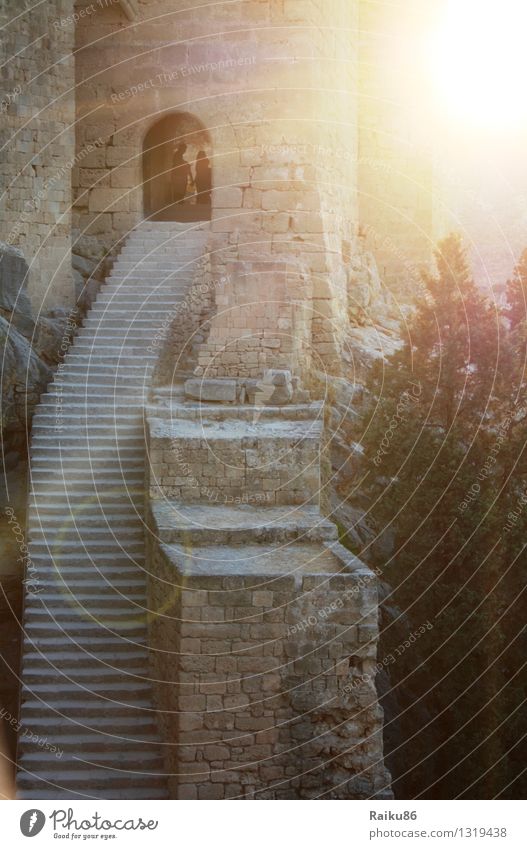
x=89, y=465
x=99, y=485
x=142, y=262
x=103, y=621
x=97, y=780
x=94, y=547
x=47, y=424
x=174, y=243
x=125, y=323
x=135, y=302
x=145, y=312
x=147, y=260
x=92, y=653
x=111, y=437
x=170, y=244
x=213, y=524
x=99, y=383
x=127, y=377
x=35, y=791
x=37, y=671
x=91, y=589
x=110, y=655
x=93, y=709
x=112, y=357
x=135, y=759
x=114, y=558
x=195, y=410
x=47, y=604
x=112, y=336
x=113, y=510
x=147, y=287
x=118, y=397
x=116, y=692
x=79, y=427
x=70, y=542
x=105, y=518
x=124, y=327
x=84, y=468
x=259, y=560
x=93, y=597
x=89, y=484
x=147, y=267
x=96, y=480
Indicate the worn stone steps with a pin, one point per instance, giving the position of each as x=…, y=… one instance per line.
x=94, y=595
x=86, y=625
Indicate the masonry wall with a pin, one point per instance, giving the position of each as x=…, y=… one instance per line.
x=274, y=85
x=37, y=144
x=188, y=461
x=275, y=694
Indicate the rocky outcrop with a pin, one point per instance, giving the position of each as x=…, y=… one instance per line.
x=89, y=273
x=24, y=378
x=30, y=348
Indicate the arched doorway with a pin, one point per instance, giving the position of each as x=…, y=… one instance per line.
x=167, y=193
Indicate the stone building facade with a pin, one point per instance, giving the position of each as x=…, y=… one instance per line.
x=38, y=145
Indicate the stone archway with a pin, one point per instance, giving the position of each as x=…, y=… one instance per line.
x=161, y=177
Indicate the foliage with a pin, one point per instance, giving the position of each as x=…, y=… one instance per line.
x=443, y=441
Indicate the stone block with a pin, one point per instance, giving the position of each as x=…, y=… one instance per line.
x=102, y=200
x=211, y=389
x=228, y=197
x=120, y=155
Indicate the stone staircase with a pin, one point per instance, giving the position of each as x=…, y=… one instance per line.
x=88, y=722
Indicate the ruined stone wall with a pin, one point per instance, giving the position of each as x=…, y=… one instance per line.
x=37, y=143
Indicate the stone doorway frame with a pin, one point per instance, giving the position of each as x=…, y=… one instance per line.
x=156, y=182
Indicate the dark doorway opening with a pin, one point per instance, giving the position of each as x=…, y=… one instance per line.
x=177, y=176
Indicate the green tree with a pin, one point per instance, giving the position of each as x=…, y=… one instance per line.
x=439, y=436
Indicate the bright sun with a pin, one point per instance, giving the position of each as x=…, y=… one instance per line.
x=479, y=57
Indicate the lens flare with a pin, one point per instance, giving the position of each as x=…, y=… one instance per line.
x=479, y=61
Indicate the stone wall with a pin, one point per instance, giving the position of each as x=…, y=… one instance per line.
x=38, y=148
x=190, y=458
x=262, y=321
x=273, y=694
x=273, y=94
x=264, y=629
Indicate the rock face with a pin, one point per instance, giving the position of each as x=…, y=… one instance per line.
x=24, y=378
x=13, y=274
x=365, y=291
x=89, y=272
x=30, y=349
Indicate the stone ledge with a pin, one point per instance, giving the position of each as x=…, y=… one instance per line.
x=294, y=561
x=212, y=524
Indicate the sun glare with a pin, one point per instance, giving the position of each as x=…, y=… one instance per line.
x=480, y=61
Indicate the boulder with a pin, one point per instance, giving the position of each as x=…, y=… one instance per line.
x=53, y=335
x=13, y=280
x=211, y=389
x=24, y=378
